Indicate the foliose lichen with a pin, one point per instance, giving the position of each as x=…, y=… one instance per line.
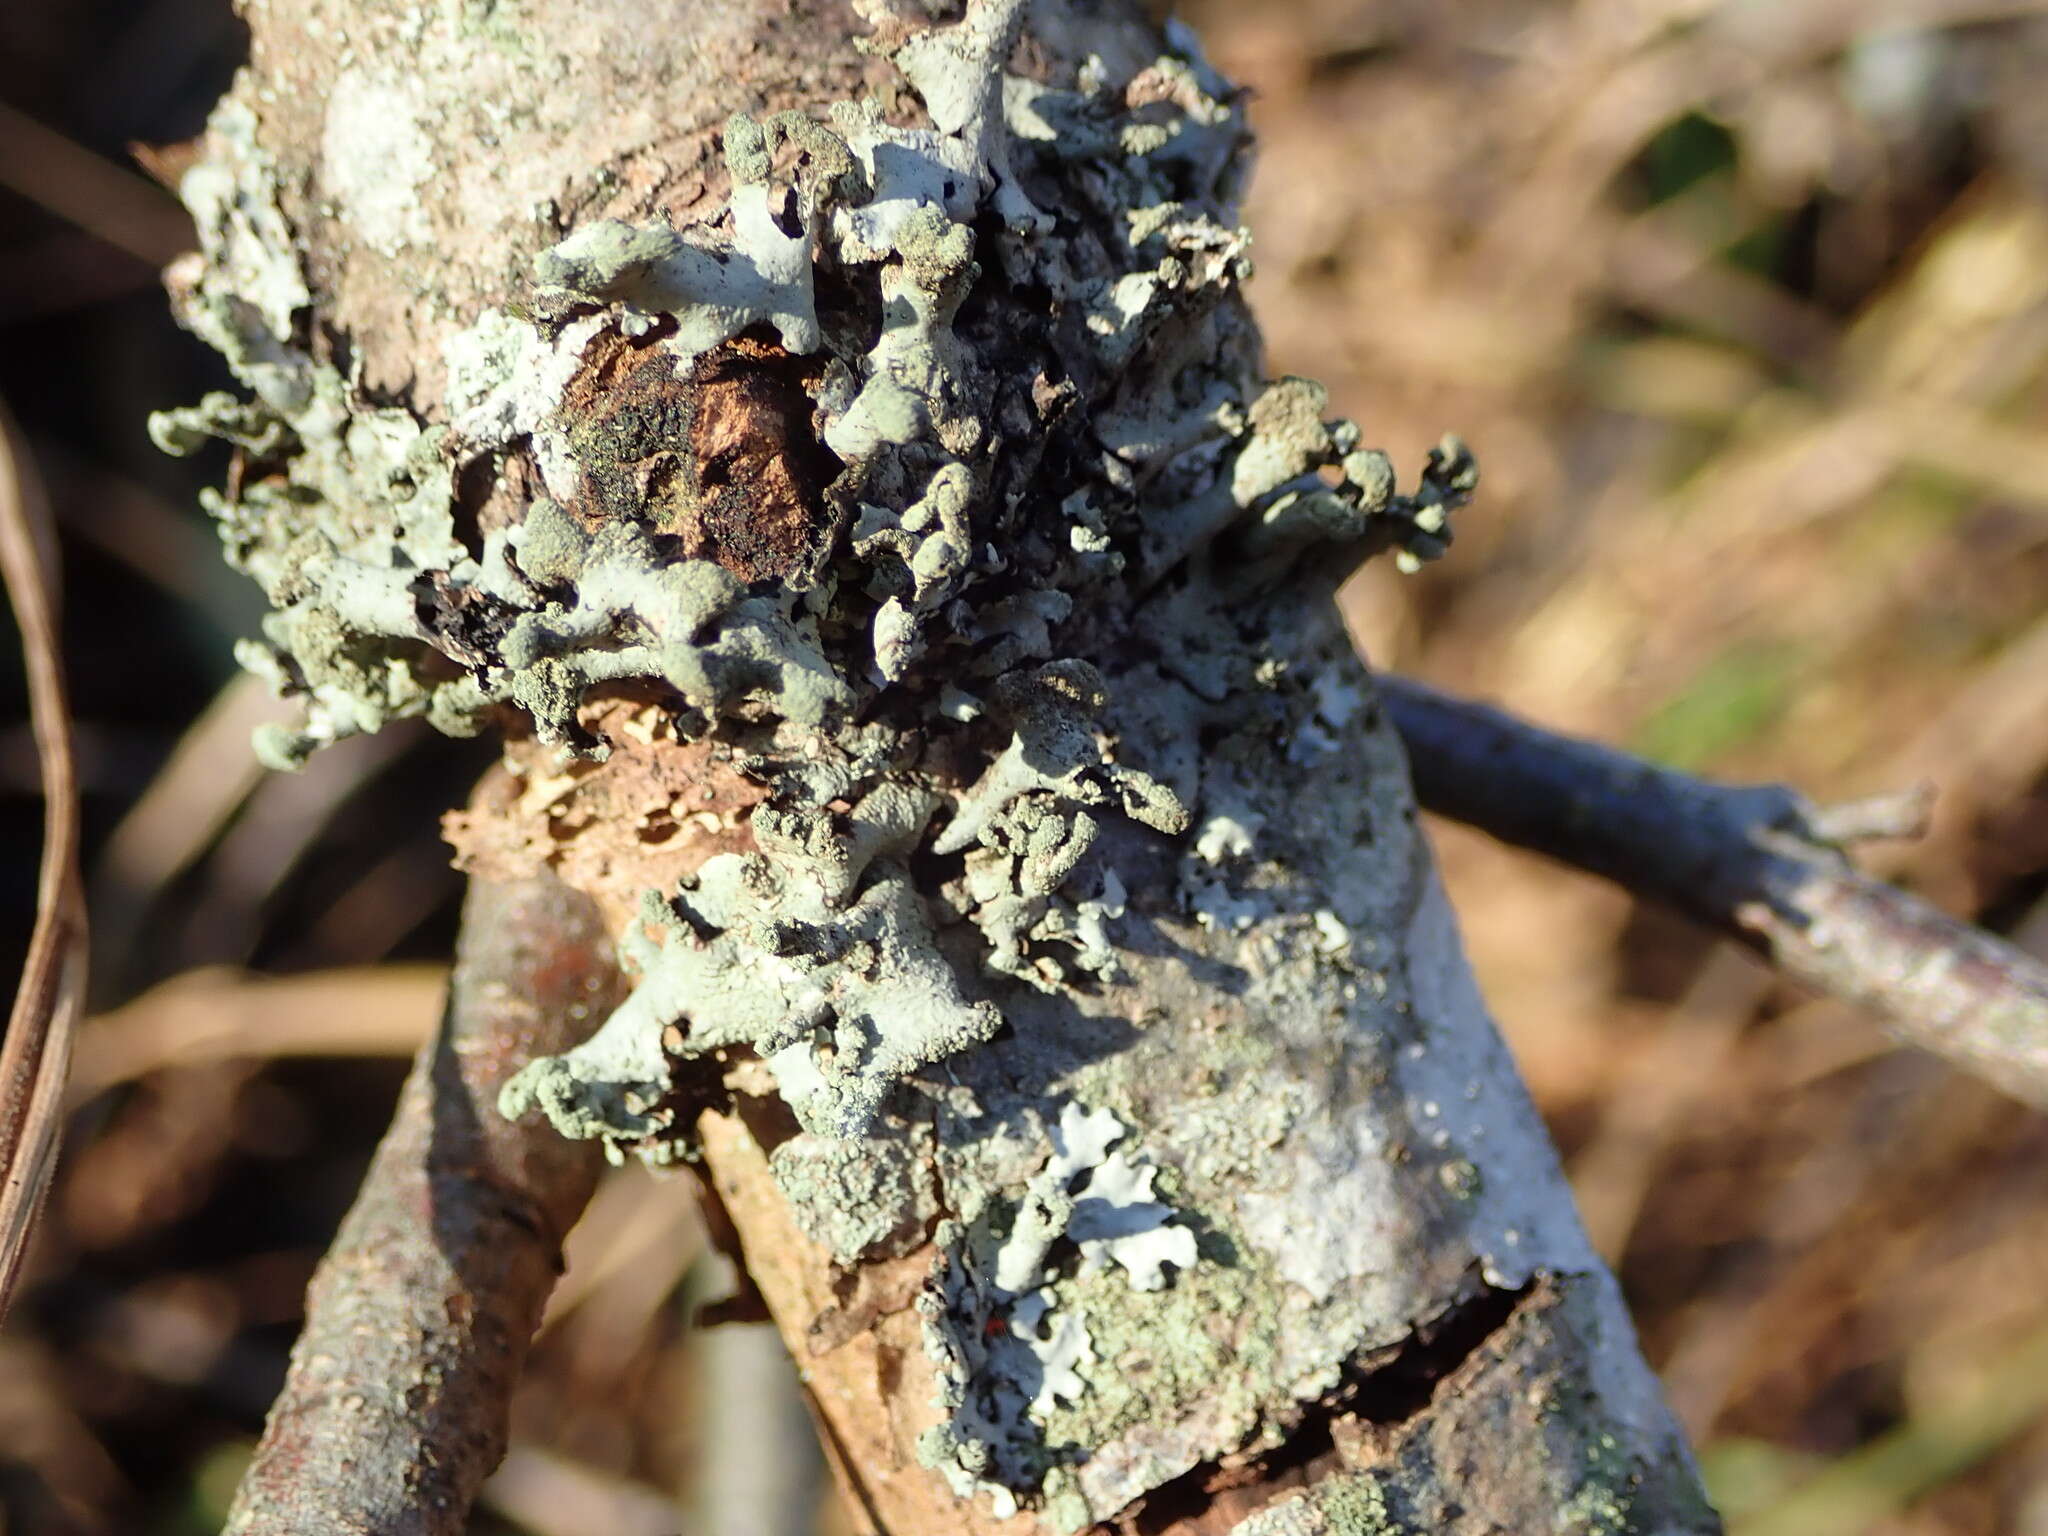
x=935, y=489
x=815, y=953
x=886, y=443
x=1010, y=1352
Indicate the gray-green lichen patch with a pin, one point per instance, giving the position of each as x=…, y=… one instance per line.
x=815, y=953
x=1355, y=1156
x=712, y=293
x=1346, y=1504
x=859, y=1197
x=944, y=576
x=933, y=421
x=342, y=538
x=688, y=623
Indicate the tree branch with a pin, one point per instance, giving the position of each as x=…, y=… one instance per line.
x=1753, y=862
x=418, y=1321
x=845, y=433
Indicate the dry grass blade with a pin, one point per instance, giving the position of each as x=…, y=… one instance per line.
x=115, y=204
x=219, y=1012
x=37, y=1051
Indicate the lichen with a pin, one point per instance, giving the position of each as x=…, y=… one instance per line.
x=1010, y=1335
x=344, y=512
x=859, y=1198
x=1603, y=1504
x=1346, y=1504
x=814, y=953
x=929, y=488
x=909, y=567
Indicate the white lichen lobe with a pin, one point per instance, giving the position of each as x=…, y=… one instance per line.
x=1010, y=1351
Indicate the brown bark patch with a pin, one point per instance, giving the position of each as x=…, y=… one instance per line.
x=646, y=818
x=761, y=471
x=725, y=458
x=865, y=1295
x=631, y=429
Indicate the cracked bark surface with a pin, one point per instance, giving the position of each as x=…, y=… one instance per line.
x=1240, y=1220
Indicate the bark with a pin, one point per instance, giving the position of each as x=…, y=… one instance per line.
x=418, y=1320
x=890, y=583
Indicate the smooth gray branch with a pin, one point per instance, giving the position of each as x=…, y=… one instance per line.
x=1751, y=861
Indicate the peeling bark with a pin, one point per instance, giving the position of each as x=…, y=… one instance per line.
x=1033, y=935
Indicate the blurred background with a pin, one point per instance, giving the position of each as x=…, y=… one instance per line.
x=1744, y=306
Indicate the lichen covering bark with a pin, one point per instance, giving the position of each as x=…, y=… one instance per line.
x=933, y=490
x=989, y=440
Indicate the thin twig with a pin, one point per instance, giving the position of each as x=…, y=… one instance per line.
x=418, y=1321
x=50, y=995
x=1746, y=860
